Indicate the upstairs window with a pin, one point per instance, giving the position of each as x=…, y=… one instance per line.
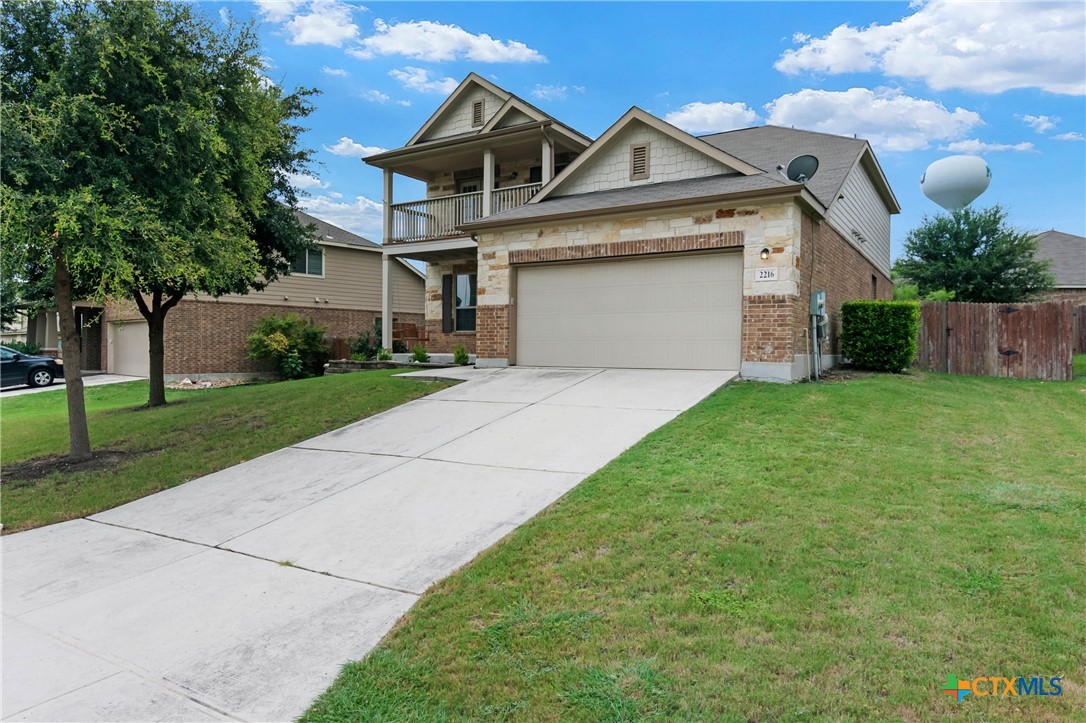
x=477, y=114
x=309, y=263
x=639, y=161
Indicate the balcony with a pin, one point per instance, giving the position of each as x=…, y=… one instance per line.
x=438, y=218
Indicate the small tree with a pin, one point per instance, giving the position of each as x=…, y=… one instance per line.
x=880, y=335
x=975, y=255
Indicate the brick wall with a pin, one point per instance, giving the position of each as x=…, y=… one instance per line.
x=831, y=263
x=1076, y=295
x=493, y=329
x=768, y=328
x=208, y=337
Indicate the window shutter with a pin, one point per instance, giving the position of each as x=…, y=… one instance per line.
x=477, y=113
x=447, y=299
x=639, y=161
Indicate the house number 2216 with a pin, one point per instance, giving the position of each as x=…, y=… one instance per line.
x=766, y=274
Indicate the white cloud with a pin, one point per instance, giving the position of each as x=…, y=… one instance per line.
x=986, y=47
x=347, y=147
x=317, y=22
x=1070, y=136
x=977, y=146
x=418, y=79
x=437, y=42
x=701, y=117
x=886, y=118
x=278, y=11
x=334, y=72
x=551, y=92
x=361, y=216
x=224, y=15
x=304, y=182
x=1039, y=123
x=376, y=96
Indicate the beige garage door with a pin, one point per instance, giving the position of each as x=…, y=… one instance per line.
x=677, y=312
x=128, y=350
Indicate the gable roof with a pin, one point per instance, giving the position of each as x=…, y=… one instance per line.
x=769, y=146
x=636, y=115
x=509, y=100
x=706, y=189
x=1067, y=253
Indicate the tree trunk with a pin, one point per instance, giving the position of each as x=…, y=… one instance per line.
x=78, y=435
x=155, y=314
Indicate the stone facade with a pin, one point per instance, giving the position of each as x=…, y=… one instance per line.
x=804, y=253
x=208, y=337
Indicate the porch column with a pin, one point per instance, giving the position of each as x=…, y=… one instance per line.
x=548, y=160
x=386, y=300
x=488, y=180
x=386, y=263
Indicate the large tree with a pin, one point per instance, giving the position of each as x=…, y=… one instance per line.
x=184, y=148
x=976, y=255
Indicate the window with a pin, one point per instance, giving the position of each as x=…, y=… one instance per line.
x=466, y=288
x=477, y=114
x=309, y=262
x=874, y=286
x=535, y=174
x=639, y=161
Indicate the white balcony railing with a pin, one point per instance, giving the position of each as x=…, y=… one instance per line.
x=436, y=218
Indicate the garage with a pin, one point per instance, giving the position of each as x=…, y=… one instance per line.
x=673, y=312
x=128, y=348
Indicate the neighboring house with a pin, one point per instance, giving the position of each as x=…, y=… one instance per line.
x=338, y=285
x=648, y=248
x=1067, y=253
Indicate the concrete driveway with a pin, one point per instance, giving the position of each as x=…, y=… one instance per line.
x=90, y=380
x=239, y=595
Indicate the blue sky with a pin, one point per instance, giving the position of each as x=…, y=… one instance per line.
x=920, y=81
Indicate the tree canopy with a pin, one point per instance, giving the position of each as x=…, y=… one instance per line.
x=974, y=255
x=145, y=143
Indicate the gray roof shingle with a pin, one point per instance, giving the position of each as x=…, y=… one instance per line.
x=1067, y=253
x=334, y=234
x=769, y=146
x=691, y=188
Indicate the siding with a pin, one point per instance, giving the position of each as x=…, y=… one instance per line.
x=669, y=160
x=352, y=280
x=514, y=118
x=457, y=119
x=863, y=210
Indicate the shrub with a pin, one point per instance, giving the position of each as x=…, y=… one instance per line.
x=296, y=345
x=368, y=342
x=24, y=347
x=384, y=355
x=419, y=354
x=460, y=355
x=880, y=335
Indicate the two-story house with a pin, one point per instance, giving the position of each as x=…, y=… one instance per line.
x=646, y=248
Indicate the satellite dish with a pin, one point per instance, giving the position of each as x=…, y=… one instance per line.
x=800, y=169
x=956, y=181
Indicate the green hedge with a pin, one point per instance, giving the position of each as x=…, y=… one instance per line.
x=880, y=335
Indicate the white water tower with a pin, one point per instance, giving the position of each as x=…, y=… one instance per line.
x=956, y=181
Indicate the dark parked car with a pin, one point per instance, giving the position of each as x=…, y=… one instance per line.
x=31, y=369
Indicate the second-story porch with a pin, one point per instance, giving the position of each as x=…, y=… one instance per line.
x=467, y=178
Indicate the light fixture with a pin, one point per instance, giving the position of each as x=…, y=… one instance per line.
x=765, y=254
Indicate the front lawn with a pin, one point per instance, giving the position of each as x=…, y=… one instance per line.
x=779, y=552
x=197, y=433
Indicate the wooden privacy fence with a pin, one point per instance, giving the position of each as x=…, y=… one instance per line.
x=1024, y=341
x=1080, y=329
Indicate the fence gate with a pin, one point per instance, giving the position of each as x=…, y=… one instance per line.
x=1024, y=341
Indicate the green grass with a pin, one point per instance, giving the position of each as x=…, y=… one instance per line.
x=197, y=433
x=784, y=552
x=1078, y=368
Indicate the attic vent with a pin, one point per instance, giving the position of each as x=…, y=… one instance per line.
x=477, y=113
x=639, y=161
